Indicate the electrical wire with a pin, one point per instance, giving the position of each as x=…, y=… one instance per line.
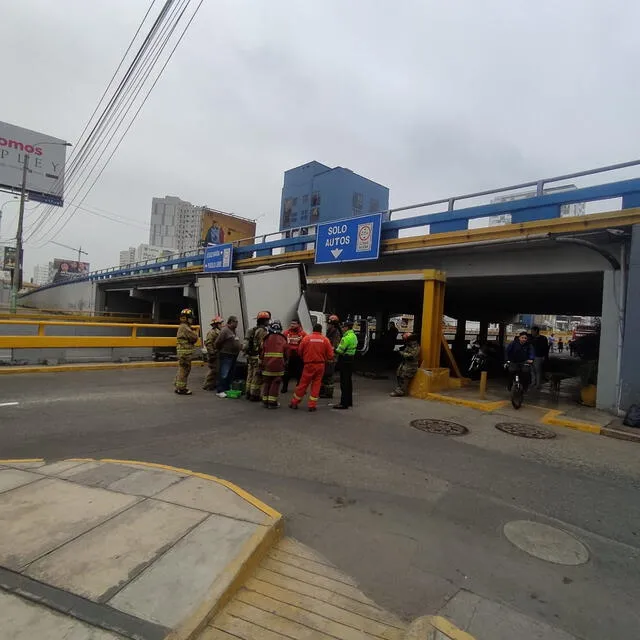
x=184, y=31
x=119, y=106
x=139, y=80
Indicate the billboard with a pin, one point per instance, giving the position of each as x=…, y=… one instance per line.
x=67, y=269
x=45, y=179
x=221, y=228
x=9, y=259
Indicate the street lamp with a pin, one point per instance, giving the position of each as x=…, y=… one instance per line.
x=16, y=281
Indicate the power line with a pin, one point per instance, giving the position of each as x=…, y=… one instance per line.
x=118, y=108
x=184, y=31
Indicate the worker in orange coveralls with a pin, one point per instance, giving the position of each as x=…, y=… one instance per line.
x=315, y=351
x=273, y=357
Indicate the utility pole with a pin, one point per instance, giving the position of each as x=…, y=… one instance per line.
x=66, y=246
x=16, y=281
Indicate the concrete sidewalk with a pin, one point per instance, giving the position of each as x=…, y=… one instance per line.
x=108, y=549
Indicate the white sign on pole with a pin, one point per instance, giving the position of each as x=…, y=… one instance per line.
x=45, y=177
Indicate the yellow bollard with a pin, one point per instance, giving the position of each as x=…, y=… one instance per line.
x=483, y=384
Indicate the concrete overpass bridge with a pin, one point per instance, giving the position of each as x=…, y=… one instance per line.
x=540, y=263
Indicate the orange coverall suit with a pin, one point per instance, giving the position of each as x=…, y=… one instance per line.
x=315, y=350
x=273, y=351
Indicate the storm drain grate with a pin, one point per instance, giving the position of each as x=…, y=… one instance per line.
x=525, y=430
x=443, y=427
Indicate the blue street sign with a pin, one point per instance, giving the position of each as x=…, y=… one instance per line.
x=218, y=257
x=349, y=240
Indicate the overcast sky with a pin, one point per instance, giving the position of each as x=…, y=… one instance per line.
x=429, y=97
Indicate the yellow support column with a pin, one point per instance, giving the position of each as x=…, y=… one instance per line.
x=432, y=314
x=431, y=377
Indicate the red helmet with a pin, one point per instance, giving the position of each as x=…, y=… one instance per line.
x=264, y=315
x=217, y=320
x=334, y=318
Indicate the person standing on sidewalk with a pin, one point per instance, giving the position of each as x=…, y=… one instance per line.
x=541, y=349
x=334, y=335
x=346, y=354
x=211, y=380
x=228, y=346
x=186, y=339
x=252, y=347
x=315, y=351
x=294, y=335
x=273, y=357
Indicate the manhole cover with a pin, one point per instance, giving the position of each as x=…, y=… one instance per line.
x=443, y=427
x=545, y=542
x=525, y=430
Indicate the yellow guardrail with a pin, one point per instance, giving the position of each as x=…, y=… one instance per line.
x=52, y=314
x=45, y=340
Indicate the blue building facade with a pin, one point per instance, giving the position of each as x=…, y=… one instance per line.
x=314, y=192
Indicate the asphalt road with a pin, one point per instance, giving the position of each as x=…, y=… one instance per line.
x=412, y=516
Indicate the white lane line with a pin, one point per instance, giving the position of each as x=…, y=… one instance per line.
x=8, y=404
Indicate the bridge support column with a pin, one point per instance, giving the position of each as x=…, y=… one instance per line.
x=502, y=334
x=483, y=334
x=460, y=341
x=629, y=369
x=432, y=313
x=606, y=398
x=431, y=377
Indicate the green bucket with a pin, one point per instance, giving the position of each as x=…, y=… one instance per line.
x=234, y=393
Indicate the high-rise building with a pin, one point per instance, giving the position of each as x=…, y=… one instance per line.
x=314, y=192
x=127, y=256
x=566, y=210
x=175, y=224
x=41, y=274
x=141, y=253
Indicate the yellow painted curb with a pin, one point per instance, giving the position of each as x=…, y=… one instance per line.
x=424, y=628
x=18, y=460
x=554, y=418
x=258, y=504
x=98, y=366
x=473, y=404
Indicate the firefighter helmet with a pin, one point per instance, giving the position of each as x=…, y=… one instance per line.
x=275, y=326
x=264, y=315
x=186, y=313
x=334, y=318
x=217, y=320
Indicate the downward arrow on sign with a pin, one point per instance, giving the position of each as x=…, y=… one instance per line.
x=336, y=252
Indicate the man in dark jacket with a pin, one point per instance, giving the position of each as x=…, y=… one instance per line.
x=520, y=354
x=541, y=349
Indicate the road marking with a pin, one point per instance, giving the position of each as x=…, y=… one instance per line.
x=8, y=404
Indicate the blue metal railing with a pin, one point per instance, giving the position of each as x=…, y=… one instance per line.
x=542, y=206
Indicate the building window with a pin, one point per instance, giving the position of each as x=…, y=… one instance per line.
x=374, y=205
x=315, y=199
x=304, y=215
x=305, y=200
x=295, y=202
x=294, y=217
x=356, y=201
x=315, y=214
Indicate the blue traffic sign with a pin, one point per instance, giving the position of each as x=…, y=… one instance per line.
x=218, y=257
x=349, y=240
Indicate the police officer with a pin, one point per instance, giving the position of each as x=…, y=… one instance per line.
x=408, y=368
x=253, y=346
x=211, y=380
x=186, y=339
x=334, y=335
x=346, y=354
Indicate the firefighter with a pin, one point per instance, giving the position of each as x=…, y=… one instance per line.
x=252, y=347
x=211, y=380
x=294, y=335
x=273, y=357
x=315, y=351
x=408, y=368
x=346, y=353
x=334, y=335
x=186, y=339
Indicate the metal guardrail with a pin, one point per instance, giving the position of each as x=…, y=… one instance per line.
x=46, y=334
x=541, y=206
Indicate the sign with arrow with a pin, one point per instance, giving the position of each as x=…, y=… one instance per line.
x=349, y=240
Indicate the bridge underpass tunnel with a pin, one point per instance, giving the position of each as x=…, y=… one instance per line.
x=414, y=295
